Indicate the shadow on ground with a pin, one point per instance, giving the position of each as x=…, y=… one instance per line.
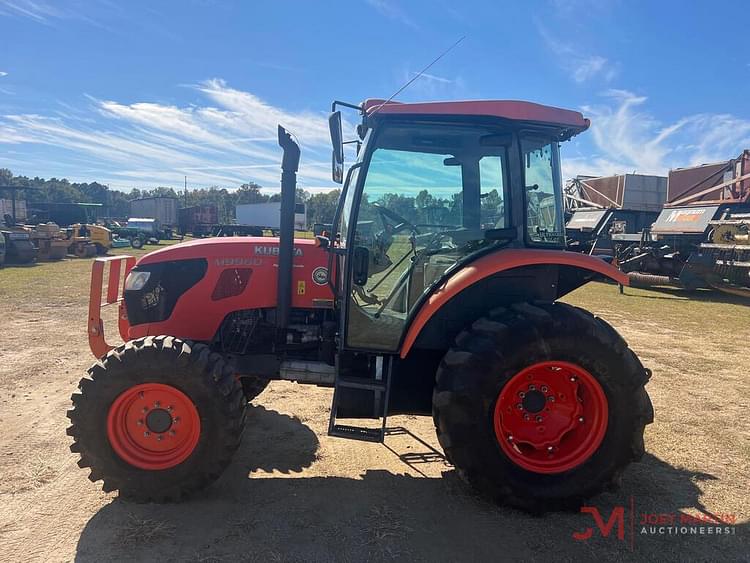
x=705, y=295
x=381, y=515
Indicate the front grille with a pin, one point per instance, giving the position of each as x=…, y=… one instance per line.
x=237, y=331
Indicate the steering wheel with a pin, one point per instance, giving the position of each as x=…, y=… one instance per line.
x=401, y=222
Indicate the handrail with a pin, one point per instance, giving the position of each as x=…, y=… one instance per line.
x=97, y=341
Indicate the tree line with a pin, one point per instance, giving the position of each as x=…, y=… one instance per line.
x=423, y=208
x=320, y=206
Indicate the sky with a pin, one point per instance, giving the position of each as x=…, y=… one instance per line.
x=143, y=93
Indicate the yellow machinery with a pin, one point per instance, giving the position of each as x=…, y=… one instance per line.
x=99, y=236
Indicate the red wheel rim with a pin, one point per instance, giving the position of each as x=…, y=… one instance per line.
x=153, y=426
x=551, y=417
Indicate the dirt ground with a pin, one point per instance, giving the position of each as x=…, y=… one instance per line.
x=294, y=494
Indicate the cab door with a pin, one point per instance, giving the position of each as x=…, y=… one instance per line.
x=414, y=200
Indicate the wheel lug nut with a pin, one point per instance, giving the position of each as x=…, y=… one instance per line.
x=526, y=417
x=172, y=432
x=538, y=418
x=519, y=406
x=160, y=437
x=157, y=404
x=146, y=434
x=521, y=394
x=580, y=419
x=141, y=395
x=140, y=422
x=170, y=408
x=544, y=389
x=145, y=409
x=550, y=449
x=573, y=378
x=532, y=387
x=551, y=399
x=510, y=438
x=176, y=419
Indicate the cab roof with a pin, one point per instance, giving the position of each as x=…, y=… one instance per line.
x=506, y=109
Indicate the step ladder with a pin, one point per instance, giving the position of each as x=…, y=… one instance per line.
x=377, y=383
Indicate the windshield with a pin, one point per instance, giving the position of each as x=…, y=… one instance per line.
x=432, y=195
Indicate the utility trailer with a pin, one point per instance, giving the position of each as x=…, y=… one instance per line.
x=449, y=310
x=197, y=220
x=267, y=216
x=163, y=209
x=701, y=238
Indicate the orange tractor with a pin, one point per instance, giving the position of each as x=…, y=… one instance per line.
x=436, y=294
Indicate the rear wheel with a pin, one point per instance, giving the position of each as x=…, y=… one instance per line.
x=136, y=242
x=541, y=406
x=157, y=418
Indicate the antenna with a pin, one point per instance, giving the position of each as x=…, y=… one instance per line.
x=420, y=73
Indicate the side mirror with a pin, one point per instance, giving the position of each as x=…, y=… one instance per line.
x=337, y=141
x=360, y=265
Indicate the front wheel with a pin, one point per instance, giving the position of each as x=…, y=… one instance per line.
x=157, y=418
x=541, y=406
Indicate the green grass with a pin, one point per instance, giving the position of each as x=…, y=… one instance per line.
x=62, y=281
x=692, y=312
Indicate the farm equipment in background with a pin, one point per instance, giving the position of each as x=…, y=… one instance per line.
x=403, y=310
x=49, y=241
x=100, y=237
x=163, y=210
x=149, y=228
x=612, y=207
x=700, y=239
x=18, y=246
x=198, y=220
x=17, y=242
x=137, y=231
x=80, y=246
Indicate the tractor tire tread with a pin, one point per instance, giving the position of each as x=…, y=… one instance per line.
x=463, y=375
x=178, y=359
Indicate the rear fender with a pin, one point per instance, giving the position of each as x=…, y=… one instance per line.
x=563, y=272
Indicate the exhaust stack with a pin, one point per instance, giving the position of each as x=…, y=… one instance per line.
x=289, y=167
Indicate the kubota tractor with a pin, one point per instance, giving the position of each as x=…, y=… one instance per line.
x=436, y=293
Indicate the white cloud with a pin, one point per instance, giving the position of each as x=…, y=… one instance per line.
x=228, y=140
x=627, y=138
x=581, y=66
x=588, y=67
x=3, y=74
x=36, y=10
x=390, y=9
x=429, y=86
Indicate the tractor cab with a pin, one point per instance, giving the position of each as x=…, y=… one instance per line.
x=435, y=186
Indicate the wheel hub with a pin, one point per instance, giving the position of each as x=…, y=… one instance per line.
x=551, y=417
x=534, y=401
x=159, y=420
x=153, y=426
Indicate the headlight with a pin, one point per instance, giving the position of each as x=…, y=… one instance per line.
x=136, y=280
